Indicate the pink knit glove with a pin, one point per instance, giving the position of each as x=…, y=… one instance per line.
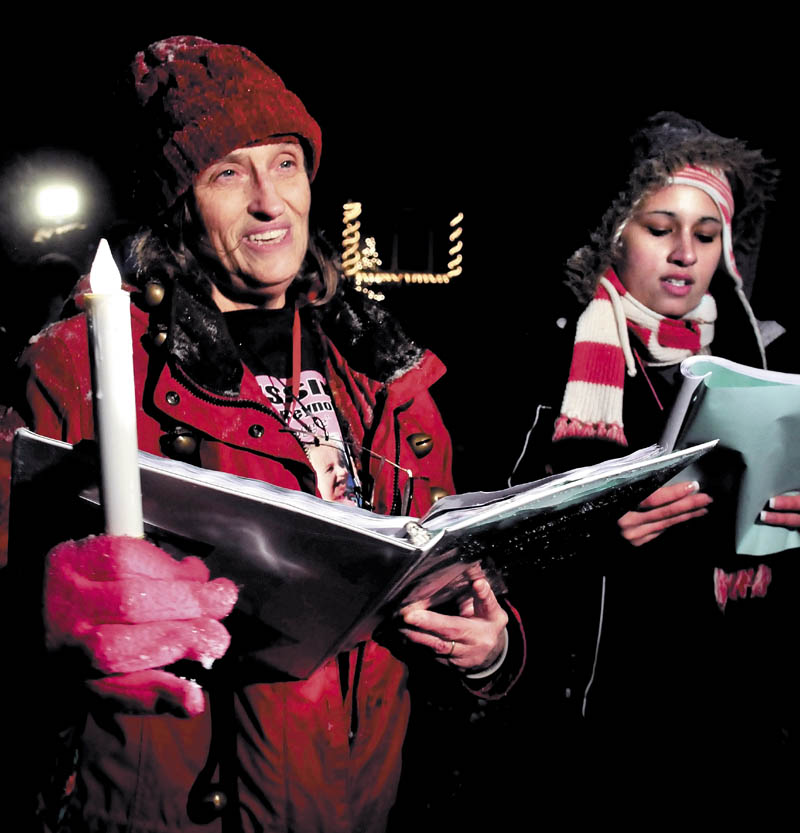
x=134, y=609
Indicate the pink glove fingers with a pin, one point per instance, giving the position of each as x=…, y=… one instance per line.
x=86, y=587
x=146, y=692
x=134, y=608
x=135, y=600
x=108, y=557
x=125, y=648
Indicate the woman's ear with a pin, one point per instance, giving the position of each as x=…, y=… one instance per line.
x=617, y=250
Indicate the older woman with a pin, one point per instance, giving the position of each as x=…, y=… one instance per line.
x=249, y=358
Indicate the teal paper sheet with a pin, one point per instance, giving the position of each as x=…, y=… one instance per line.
x=756, y=417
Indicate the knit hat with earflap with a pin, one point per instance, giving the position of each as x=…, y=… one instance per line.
x=202, y=100
x=667, y=144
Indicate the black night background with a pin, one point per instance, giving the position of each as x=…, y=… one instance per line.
x=524, y=129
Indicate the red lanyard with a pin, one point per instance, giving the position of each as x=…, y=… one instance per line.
x=297, y=357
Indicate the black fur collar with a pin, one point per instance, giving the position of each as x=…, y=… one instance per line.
x=366, y=335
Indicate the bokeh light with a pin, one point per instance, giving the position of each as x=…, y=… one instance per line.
x=58, y=202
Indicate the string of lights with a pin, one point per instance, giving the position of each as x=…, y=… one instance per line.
x=360, y=264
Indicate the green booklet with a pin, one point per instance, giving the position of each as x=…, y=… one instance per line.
x=755, y=415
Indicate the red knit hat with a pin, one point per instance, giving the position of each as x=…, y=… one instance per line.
x=205, y=99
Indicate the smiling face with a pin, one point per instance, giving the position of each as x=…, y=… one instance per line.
x=670, y=249
x=254, y=204
x=331, y=468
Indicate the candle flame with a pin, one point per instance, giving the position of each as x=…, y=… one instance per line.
x=104, y=276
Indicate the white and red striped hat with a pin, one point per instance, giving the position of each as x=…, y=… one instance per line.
x=714, y=183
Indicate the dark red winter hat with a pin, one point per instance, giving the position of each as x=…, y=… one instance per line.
x=205, y=99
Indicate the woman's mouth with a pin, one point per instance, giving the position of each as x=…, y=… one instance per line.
x=677, y=285
x=264, y=238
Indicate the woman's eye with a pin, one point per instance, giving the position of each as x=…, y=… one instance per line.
x=287, y=164
x=226, y=173
x=706, y=238
x=658, y=232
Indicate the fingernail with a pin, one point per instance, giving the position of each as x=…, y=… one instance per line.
x=693, y=486
x=771, y=504
x=763, y=515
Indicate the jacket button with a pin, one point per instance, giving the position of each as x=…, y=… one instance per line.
x=214, y=802
x=159, y=338
x=184, y=445
x=172, y=397
x=153, y=293
x=421, y=444
x=437, y=493
x=256, y=431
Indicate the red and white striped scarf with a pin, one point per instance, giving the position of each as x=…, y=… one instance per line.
x=592, y=405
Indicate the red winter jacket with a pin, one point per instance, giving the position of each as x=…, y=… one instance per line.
x=296, y=766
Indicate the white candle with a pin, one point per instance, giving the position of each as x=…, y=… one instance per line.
x=109, y=316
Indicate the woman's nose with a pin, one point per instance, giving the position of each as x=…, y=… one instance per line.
x=684, y=252
x=265, y=200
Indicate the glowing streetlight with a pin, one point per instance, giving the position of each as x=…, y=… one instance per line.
x=57, y=202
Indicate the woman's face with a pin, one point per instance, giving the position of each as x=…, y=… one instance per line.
x=254, y=204
x=670, y=249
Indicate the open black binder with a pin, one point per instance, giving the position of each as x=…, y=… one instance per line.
x=316, y=578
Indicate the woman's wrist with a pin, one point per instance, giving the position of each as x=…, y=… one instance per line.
x=482, y=673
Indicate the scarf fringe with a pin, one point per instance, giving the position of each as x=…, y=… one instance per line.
x=566, y=427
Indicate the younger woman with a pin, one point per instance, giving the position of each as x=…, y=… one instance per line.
x=656, y=664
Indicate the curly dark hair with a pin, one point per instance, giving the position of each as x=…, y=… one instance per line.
x=668, y=142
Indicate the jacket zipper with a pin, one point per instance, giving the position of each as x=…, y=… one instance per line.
x=181, y=377
x=397, y=502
